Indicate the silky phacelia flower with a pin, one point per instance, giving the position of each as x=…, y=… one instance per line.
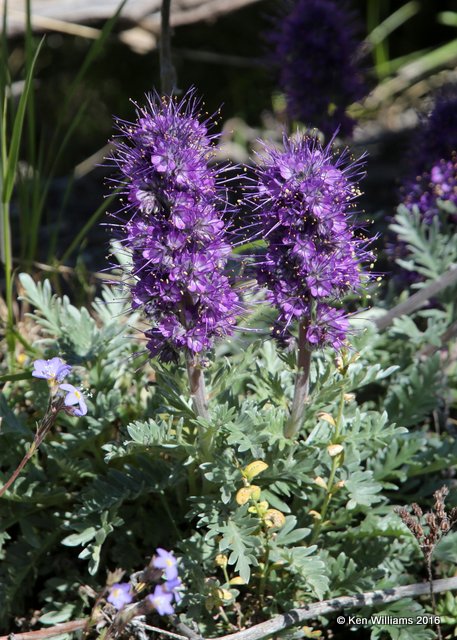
x=303, y=204
x=120, y=594
x=314, y=47
x=74, y=397
x=166, y=560
x=54, y=371
x=175, y=206
x=162, y=600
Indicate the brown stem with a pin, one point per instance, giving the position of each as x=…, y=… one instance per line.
x=301, y=384
x=167, y=70
x=45, y=425
x=418, y=299
x=280, y=622
x=428, y=562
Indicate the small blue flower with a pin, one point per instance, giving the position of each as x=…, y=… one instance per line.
x=73, y=397
x=120, y=594
x=54, y=371
x=173, y=587
x=167, y=562
x=161, y=600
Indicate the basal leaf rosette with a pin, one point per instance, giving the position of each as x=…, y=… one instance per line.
x=173, y=223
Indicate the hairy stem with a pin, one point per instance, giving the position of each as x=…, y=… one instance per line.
x=167, y=70
x=301, y=384
x=197, y=389
x=199, y=402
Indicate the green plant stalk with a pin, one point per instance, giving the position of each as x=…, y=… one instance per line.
x=331, y=479
x=7, y=259
x=380, y=47
x=295, y=421
x=199, y=402
x=264, y=574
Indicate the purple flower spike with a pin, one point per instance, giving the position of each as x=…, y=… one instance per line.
x=172, y=222
x=120, y=594
x=314, y=49
x=302, y=201
x=53, y=370
x=438, y=184
x=167, y=562
x=162, y=600
x=73, y=397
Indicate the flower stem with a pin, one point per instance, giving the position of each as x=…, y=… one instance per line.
x=428, y=562
x=301, y=384
x=197, y=389
x=331, y=479
x=199, y=401
x=45, y=425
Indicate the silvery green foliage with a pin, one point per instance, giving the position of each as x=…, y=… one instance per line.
x=104, y=491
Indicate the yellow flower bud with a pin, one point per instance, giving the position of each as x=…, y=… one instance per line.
x=334, y=450
x=323, y=415
x=320, y=482
x=315, y=514
x=274, y=518
x=237, y=580
x=221, y=560
x=224, y=594
x=254, y=468
x=243, y=495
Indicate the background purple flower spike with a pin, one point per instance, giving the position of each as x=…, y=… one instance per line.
x=303, y=199
x=173, y=223
x=316, y=51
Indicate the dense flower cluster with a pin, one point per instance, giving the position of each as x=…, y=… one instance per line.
x=439, y=184
x=434, y=176
x=176, y=230
x=303, y=197
x=314, y=49
x=55, y=371
x=164, y=594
